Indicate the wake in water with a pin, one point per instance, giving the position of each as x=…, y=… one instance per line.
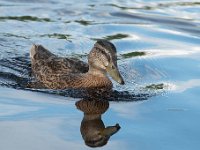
x=16, y=73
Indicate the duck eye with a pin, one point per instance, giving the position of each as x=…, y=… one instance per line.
x=99, y=133
x=106, y=64
x=112, y=67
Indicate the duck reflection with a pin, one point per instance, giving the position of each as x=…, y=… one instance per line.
x=93, y=130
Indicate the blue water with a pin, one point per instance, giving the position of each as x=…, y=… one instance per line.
x=158, y=46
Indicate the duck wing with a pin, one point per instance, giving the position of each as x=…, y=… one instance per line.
x=43, y=60
x=59, y=65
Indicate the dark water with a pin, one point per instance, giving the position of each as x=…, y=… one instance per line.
x=158, y=45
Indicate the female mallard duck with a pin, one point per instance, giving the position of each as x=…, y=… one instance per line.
x=60, y=73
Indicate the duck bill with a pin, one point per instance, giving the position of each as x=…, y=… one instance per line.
x=110, y=130
x=115, y=74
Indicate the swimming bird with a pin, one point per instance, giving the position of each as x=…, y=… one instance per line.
x=56, y=72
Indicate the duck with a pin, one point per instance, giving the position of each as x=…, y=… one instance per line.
x=56, y=72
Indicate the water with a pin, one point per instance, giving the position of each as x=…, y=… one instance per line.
x=158, y=50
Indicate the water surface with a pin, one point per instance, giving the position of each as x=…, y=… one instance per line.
x=158, y=55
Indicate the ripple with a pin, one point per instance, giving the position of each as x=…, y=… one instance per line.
x=58, y=36
x=154, y=6
x=154, y=18
x=84, y=22
x=113, y=37
x=132, y=54
x=16, y=36
x=116, y=36
x=25, y=18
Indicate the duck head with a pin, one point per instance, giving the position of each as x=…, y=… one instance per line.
x=103, y=59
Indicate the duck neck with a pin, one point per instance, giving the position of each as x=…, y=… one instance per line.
x=97, y=72
x=91, y=116
x=95, y=79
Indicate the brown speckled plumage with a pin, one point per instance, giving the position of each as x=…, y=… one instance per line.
x=60, y=73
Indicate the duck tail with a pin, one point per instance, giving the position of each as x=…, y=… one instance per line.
x=33, y=51
x=40, y=51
